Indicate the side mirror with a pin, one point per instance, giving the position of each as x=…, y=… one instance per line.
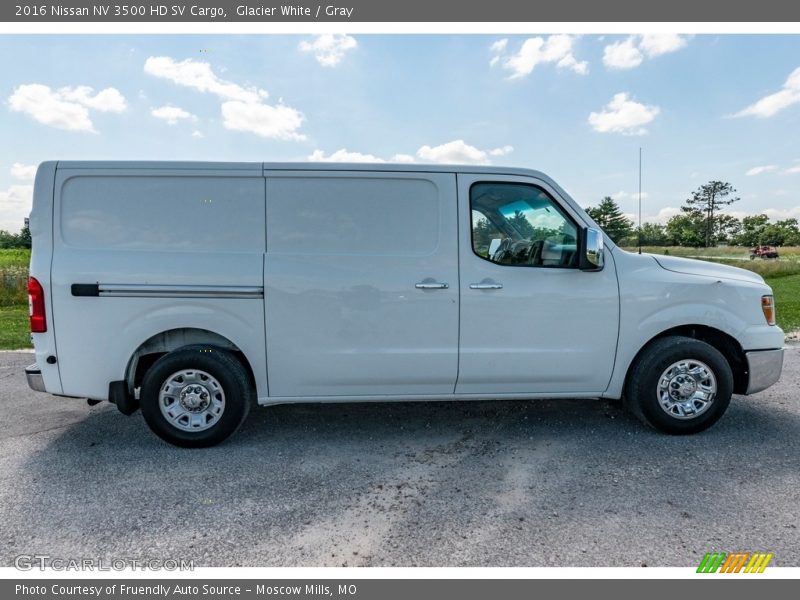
x=590, y=257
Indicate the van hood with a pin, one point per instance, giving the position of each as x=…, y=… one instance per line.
x=692, y=266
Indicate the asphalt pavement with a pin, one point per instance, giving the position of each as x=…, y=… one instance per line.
x=506, y=483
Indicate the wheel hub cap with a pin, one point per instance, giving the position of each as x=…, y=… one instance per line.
x=686, y=389
x=191, y=400
x=194, y=398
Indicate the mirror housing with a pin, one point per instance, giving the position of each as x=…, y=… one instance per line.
x=590, y=249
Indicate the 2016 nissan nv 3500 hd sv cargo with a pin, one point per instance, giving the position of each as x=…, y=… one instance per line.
x=194, y=290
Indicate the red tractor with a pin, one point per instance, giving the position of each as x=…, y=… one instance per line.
x=763, y=252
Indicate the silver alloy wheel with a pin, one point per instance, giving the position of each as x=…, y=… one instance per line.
x=191, y=400
x=686, y=389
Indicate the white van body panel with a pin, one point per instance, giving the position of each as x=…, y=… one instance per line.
x=257, y=254
x=530, y=335
x=345, y=254
x=655, y=300
x=150, y=228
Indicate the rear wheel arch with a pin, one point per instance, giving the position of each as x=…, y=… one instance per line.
x=160, y=344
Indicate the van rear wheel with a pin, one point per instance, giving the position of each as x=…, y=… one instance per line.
x=680, y=385
x=196, y=396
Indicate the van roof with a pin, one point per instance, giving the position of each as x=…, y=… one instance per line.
x=299, y=166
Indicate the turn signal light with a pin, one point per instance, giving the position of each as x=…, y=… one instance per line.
x=36, y=304
x=768, y=306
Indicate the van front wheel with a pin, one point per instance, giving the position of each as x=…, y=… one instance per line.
x=196, y=396
x=680, y=385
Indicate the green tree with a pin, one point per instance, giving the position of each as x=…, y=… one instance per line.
x=16, y=240
x=687, y=229
x=780, y=233
x=726, y=228
x=609, y=216
x=707, y=200
x=752, y=230
x=653, y=234
x=25, y=236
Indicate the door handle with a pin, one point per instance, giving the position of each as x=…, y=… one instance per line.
x=486, y=286
x=431, y=285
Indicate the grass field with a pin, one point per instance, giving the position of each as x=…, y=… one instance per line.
x=14, y=328
x=783, y=275
x=14, y=258
x=787, y=301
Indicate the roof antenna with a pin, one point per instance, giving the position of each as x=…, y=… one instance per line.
x=640, y=199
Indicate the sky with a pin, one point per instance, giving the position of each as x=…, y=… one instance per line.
x=578, y=108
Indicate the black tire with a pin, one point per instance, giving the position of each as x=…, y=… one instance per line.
x=229, y=373
x=641, y=393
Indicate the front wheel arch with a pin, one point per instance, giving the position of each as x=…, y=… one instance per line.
x=727, y=345
x=693, y=371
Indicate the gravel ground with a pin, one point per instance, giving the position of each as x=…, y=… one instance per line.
x=511, y=483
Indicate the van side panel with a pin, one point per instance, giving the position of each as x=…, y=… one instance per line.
x=41, y=226
x=361, y=284
x=167, y=249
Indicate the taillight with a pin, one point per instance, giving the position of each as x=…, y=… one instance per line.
x=36, y=304
x=768, y=307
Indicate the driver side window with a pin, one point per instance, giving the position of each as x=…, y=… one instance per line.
x=519, y=224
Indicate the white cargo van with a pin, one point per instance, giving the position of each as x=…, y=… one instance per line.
x=194, y=290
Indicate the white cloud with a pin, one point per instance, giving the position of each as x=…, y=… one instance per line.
x=772, y=104
x=329, y=49
x=23, y=172
x=630, y=52
x=661, y=217
x=107, y=100
x=278, y=121
x=198, y=134
x=15, y=206
x=622, y=55
x=172, y=114
x=343, y=155
x=792, y=170
x=556, y=49
x=760, y=170
x=501, y=151
x=499, y=46
x=623, y=195
x=623, y=115
x=198, y=75
x=665, y=214
x=656, y=44
x=243, y=108
x=457, y=151
x=66, y=108
x=779, y=214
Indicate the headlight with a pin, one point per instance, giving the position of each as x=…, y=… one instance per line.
x=768, y=307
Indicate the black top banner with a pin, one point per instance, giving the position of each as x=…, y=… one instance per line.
x=403, y=11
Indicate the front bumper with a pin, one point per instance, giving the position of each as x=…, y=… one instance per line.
x=34, y=376
x=764, y=367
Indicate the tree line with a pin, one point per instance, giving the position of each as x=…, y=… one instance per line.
x=16, y=240
x=701, y=223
